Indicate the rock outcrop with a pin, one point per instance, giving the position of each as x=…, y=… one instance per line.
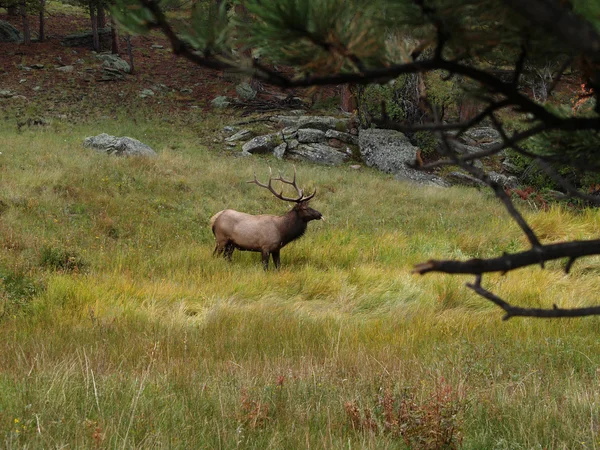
x=118, y=146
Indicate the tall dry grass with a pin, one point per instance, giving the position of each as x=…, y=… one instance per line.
x=120, y=330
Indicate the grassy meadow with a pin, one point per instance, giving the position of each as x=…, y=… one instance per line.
x=120, y=330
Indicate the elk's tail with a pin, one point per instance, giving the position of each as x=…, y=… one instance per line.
x=213, y=219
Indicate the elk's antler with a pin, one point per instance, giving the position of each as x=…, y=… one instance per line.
x=301, y=197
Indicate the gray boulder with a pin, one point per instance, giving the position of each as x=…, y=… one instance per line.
x=464, y=178
x=241, y=135
x=387, y=150
x=318, y=153
x=310, y=135
x=86, y=39
x=279, y=151
x=111, y=74
x=114, y=62
x=482, y=137
x=261, y=144
x=341, y=136
x=418, y=176
x=220, y=102
x=146, y=93
x=245, y=91
x=464, y=149
x=118, y=146
x=289, y=133
x=322, y=123
x=508, y=166
x=507, y=181
x=5, y=93
x=8, y=33
x=469, y=180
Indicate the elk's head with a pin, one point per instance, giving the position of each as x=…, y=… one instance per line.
x=305, y=212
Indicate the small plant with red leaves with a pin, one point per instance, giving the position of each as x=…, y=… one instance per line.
x=254, y=413
x=430, y=424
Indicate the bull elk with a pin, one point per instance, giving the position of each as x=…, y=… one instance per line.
x=266, y=234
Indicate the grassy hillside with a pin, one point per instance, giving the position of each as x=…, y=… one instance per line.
x=120, y=330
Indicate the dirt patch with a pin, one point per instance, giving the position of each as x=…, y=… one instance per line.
x=178, y=84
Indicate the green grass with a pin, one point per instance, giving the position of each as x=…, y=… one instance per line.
x=120, y=330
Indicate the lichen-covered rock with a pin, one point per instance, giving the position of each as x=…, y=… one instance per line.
x=464, y=178
x=420, y=177
x=114, y=62
x=319, y=154
x=8, y=33
x=341, y=136
x=465, y=149
x=483, y=134
x=322, y=123
x=387, y=150
x=86, y=39
x=261, y=144
x=310, y=135
x=220, y=102
x=245, y=91
x=507, y=181
x=118, y=146
x=146, y=93
x=279, y=151
x=5, y=93
x=241, y=135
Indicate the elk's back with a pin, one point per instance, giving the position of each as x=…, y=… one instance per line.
x=247, y=231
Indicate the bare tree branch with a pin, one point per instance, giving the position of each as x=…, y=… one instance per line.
x=508, y=262
x=516, y=311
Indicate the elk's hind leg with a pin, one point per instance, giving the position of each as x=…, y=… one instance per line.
x=218, y=250
x=229, y=248
x=221, y=248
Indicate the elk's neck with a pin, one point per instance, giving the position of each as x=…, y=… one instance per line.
x=293, y=227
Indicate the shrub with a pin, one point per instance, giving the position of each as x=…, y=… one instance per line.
x=444, y=94
x=426, y=141
x=63, y=260
x=431, y=424
x=579, y=148
x=16, y=291
x=399, y=96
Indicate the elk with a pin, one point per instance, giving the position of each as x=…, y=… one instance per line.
x=266, y=233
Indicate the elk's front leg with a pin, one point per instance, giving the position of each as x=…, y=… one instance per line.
x=276, y=259
x=265, y=259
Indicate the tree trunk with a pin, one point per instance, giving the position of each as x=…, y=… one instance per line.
x=94, y=19
x=130, y=53
x=348, y=101
x=42, y=31
x=12, y=10
x=26, y=31
x=101, y=15
x=114, y=37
